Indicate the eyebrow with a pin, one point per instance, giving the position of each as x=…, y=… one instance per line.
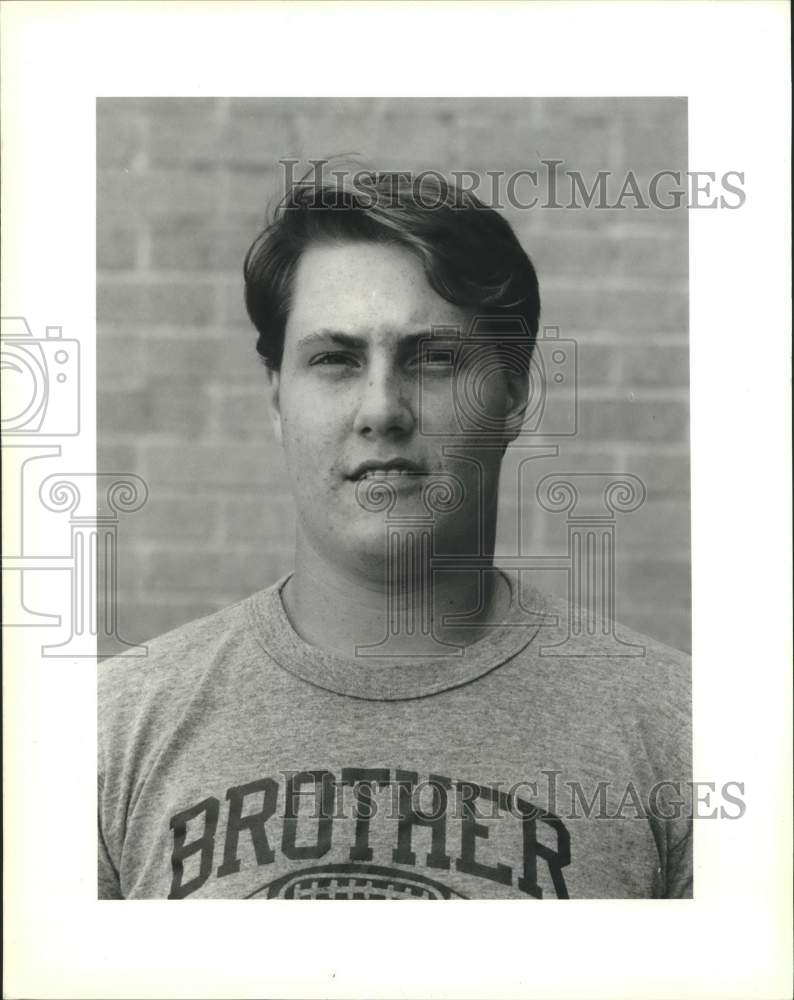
x=334, y=336
x=354, y=341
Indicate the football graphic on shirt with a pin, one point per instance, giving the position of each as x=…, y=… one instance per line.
x=354, y=882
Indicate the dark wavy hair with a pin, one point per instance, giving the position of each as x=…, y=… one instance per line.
x=469, y=252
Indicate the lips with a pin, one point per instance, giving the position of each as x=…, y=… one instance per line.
x=394, y=468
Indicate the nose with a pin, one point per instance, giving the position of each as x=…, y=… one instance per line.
x=384, y=407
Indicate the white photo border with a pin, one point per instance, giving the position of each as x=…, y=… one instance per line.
x=731, y=61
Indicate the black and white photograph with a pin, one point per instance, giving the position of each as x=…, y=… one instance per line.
x=390, y=393
x=394, y=421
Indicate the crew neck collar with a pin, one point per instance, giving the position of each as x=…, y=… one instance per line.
x=375, y=677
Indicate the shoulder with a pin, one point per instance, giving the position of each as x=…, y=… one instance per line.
x=605, y=667
x=615, y=653
x=156, y=682
x=614, y=692
x=174, y=650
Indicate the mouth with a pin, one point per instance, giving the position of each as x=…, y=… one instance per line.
x=396, y=468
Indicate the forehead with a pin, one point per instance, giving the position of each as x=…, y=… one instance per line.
x=365, y=288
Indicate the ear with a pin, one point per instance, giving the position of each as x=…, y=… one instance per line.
x=274, y=401
x=516, y=400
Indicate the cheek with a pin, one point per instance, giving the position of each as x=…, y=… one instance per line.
x=464, y=399
x=436, y=411
x=310, y=433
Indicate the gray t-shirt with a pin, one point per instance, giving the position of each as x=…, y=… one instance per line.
x=237, y=761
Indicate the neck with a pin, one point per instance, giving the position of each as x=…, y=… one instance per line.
x=338, y=610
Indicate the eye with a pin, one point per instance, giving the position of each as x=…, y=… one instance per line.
x=333, y=359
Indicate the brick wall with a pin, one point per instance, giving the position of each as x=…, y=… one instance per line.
x=182, y=185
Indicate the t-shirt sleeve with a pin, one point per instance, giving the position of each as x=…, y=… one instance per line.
x=667, y=733
x=679, y=863
x=679, y=879
x=108, y=882
x=107, y=877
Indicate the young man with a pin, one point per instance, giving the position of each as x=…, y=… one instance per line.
x=397, y=718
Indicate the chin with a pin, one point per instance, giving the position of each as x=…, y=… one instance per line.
x=366, y=547
x=366, y=554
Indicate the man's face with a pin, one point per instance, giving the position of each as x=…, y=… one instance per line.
x=346, y=400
